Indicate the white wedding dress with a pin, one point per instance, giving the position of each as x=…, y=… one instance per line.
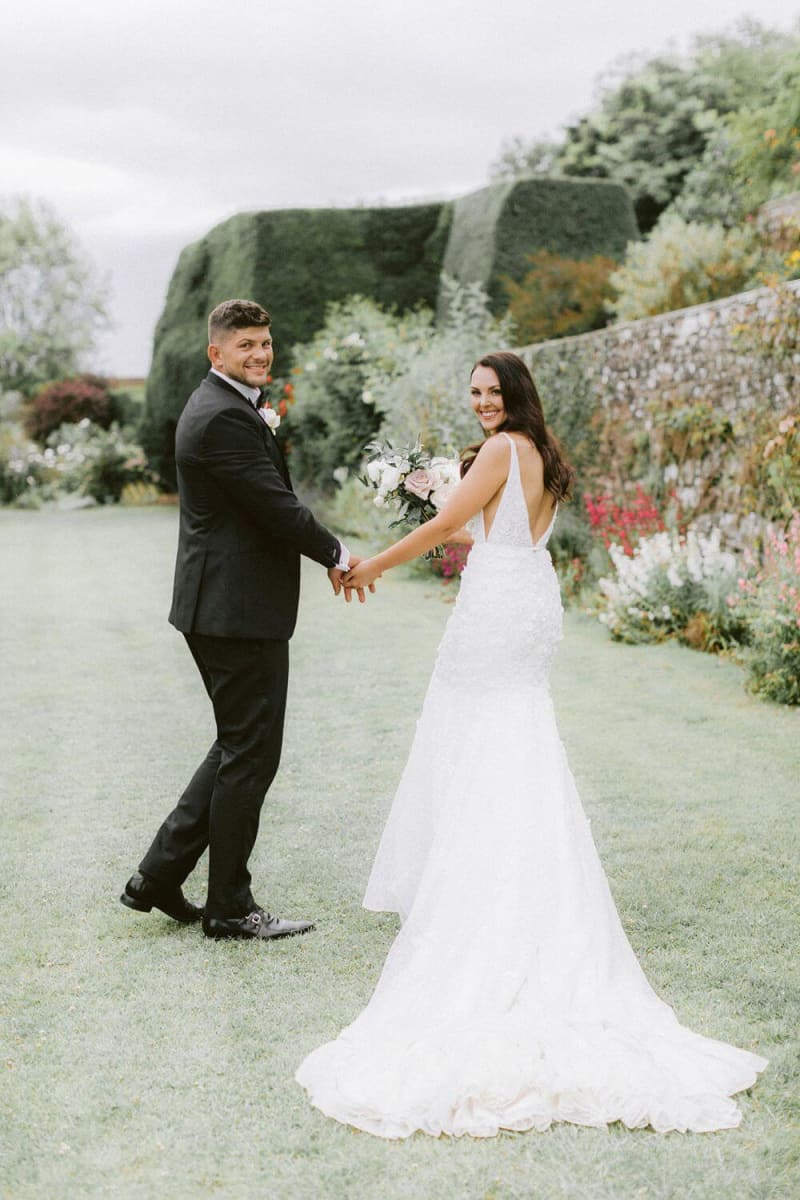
x=511, y=997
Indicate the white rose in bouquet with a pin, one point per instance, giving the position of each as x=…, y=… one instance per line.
x=442, y=494
x=390, y=478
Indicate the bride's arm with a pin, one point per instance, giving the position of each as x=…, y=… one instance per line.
x=487, y=474
x=461, y=537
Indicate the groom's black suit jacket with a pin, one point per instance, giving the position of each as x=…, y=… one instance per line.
x=242, y=529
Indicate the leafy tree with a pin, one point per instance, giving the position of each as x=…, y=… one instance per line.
x=766, y=139
x=51, y=305
x=667, y=128
x=560, y=296
x=711, y=192
x=647, y=133
x=519, y=158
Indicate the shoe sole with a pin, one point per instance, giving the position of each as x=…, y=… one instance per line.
x=139, y=906
x=249, y=937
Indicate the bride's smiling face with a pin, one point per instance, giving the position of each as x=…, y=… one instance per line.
x=487, y=398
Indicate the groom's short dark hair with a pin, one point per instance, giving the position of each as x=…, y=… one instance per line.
x=236, y=314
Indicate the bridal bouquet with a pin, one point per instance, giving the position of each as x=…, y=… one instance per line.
x=410, y=481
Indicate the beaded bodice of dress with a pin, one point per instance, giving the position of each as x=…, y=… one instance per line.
x=506, y=623
x=511, y=525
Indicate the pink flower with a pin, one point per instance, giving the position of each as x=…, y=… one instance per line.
x=419, y=483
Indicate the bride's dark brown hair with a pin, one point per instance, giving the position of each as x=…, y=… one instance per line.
x=524, y=415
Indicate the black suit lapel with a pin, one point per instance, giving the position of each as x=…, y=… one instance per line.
x=271, y=442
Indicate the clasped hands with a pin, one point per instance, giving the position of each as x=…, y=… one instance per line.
x=359, y=578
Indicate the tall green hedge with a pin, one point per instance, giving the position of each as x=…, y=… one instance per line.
x=297, y=261
x=495, y=229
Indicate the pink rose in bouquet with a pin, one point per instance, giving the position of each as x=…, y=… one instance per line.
x=419, y=483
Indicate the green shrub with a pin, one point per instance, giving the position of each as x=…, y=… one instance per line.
x=78, y=458
x=297, y=262
x=560, y=296
x=335, y=414
x=768, y=598
x=352, y=513
x=427, y=395
x=67, y=402
x=496, y=229
x=672, y=586
x=684, y=263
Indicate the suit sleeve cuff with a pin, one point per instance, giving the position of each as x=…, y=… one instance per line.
x=343, y=561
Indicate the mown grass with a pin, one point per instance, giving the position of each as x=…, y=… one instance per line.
x=140, y=1060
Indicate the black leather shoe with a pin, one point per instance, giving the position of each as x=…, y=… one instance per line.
x=257, y=924
x=144, y=894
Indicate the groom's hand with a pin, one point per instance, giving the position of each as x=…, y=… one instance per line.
x=336, y=576
x=337, y=582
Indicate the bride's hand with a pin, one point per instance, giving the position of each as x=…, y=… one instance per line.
x=362, y=575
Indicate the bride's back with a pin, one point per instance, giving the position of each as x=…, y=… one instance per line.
x=538, y=501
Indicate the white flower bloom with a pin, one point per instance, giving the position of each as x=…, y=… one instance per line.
x=447, y=468
x=310, y=366
x=330, y=354
x=671, y=472
x=380, y=500
x=353, y=339
x=442, y=494
x=375, y=469
x=270, y=418
x=674, y=576
x=390, y=478
x=367, y=397
x=340, y=474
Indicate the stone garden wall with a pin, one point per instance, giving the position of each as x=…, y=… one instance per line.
x=701, y=403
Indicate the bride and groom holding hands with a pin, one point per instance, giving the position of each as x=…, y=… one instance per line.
x=511, y=997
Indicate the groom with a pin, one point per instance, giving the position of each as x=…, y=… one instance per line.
x=235, y=597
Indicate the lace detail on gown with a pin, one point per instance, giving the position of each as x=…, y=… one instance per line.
x=511, y=997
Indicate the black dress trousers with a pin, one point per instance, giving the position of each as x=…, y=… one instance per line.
x=246, y=679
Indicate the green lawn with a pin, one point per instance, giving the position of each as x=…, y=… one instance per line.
x=140, y=1060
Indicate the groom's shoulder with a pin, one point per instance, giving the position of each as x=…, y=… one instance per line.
x=210, y=395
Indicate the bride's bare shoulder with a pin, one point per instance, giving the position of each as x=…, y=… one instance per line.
x=494, y=452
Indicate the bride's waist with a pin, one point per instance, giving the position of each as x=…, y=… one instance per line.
x=499, y=549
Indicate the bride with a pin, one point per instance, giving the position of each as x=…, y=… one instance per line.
x=511, y=997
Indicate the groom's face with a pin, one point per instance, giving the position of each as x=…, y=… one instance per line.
x=243, y=354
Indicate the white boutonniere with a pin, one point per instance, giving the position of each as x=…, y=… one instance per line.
x=270, y=418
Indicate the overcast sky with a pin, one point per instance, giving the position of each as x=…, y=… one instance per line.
x=146, y=123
